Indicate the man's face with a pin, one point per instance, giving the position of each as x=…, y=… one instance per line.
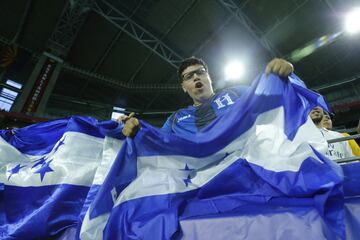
x=197, y=83
x=326, y=122
x=317, y=114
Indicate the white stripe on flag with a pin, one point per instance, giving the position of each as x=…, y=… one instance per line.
x=74, y=162
x=264, y=144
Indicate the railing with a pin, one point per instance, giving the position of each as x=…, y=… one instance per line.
x=348, y=159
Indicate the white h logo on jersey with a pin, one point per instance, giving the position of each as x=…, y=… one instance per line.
x=220, y=101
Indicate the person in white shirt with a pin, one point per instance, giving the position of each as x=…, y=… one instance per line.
x=336, y=150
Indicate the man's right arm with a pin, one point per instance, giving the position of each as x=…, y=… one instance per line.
x=131, y=125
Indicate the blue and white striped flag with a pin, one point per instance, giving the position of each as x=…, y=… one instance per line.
x=265, y=151
x=261, y=162
x=46, y=171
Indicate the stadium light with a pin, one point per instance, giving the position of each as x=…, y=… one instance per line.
x=352, y=21
x=234, y=70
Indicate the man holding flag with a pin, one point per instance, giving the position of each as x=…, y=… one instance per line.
x=259, y=163
x=196, y=82
x=265, y=152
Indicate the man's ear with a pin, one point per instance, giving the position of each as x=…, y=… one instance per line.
x=183, y=88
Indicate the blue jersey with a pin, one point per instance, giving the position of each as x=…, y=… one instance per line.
x=192, y=119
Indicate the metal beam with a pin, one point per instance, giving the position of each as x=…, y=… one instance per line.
x=120, y=20
x=71, y=19
x=214, y=34
x=115, y=39
x=148, y=87
x=190, y=6
x=178, y=19
x=208, y=39
x=250, y=26
x=338, y=83
x=22, y=21
x=5, y=41
x=109, y=48
x=332, y=8
x=279, y=22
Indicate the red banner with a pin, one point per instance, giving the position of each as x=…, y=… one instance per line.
x=39, y=86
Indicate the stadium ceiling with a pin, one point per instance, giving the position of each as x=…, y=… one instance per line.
x=125, y=52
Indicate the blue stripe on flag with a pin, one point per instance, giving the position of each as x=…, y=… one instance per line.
x=240, y=185
x=39, y=139
x=40, y=212
x=212, y=187
x=156, y=216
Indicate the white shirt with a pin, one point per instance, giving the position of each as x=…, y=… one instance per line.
x=336, y=150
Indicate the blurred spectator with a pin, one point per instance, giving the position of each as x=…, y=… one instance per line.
x=326, y=122
x=336, y=150
x=316, y=116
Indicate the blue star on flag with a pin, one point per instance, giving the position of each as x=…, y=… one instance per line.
x=40, y=161
x=15, y=170
x=44, y=169
x=186, y=168
x=187, y=180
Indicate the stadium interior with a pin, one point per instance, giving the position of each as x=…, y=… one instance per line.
x=121, y=55
x=265, y=162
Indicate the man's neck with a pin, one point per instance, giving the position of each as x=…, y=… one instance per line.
x=198, y=102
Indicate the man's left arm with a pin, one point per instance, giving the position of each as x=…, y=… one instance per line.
x=276, y=66
x=279, y=67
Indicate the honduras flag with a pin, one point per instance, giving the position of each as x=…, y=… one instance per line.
x=46, y=171
x=257, y=172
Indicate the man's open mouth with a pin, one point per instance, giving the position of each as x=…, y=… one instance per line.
x=198, y=85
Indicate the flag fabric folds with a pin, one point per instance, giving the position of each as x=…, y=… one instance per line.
x=47, y=170
x=265, y=150
x=258, y=171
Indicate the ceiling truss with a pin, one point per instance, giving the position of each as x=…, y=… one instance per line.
x=120, y=20
x=250, y=26
x=70, y=22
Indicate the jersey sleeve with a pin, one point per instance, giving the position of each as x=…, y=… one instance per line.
x=167, y=127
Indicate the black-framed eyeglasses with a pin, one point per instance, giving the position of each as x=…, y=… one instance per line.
x=188, y=76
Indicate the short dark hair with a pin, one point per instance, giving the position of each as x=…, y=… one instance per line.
x=189, y=62
x=330, y=114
